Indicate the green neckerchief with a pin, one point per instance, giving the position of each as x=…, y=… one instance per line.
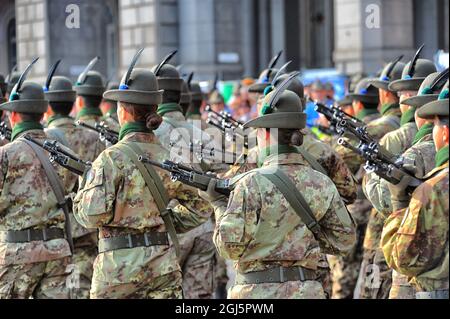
x=89, y=111
x=57, y=117
x=408, y=116
x=168, y=107
x=131, y=127
x=24, y=126
x=365, y=112
x=442, y=156
x=277, y=149
x=425, y=130
x=389, y=106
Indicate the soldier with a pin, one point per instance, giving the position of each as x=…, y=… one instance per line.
x=217, y=102
x=193, y=111
x=33, y=228
x=275, y=254
x=61, y=98
x=109, y=109
x=135, y=207
x=186, y=98
x=421, y=153
x=415, y=235
x=12, y=79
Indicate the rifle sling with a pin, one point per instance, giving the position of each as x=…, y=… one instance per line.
x=312, y=161
x=293, y=196
x=56, y=185
x=156, y=188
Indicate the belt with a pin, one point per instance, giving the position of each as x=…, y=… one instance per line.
x=276, y=275
x=436, y=294
x=25, y=236
x=131, y=241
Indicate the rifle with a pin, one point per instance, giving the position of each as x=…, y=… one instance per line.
x=105, y=133
x=226, y=118
x=189, y=176
x=61, y=156
x=335, y=115
x=202, y=152
x=5, y=131
x=381, y=162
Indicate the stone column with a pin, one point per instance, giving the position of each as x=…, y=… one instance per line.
x=32, y=26
x=137, y=20
x=361, y=45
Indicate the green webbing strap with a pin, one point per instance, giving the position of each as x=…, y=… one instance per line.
x=56, y=185
x=156, y=187
x=312, y=161
x=293, y=196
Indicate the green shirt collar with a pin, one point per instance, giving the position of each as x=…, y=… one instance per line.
x=24, y=126
x=132, y=127
x=270, y=151
x=442, y=156
x=168, y=107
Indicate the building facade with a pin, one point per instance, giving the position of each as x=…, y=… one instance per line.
x=233, y=38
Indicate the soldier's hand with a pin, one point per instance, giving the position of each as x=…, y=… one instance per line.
x=210, y=194
x=399, y=194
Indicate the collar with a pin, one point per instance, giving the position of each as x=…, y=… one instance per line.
x=169, y=107
x=140, y=137
x=61, y=121
x=283, y=159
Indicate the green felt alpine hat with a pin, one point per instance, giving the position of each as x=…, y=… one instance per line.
x=186, y=97
x=364, y=92
x=412, y=79
x=60, y=90
x=90, y=82
x=391, y=72
x=196, y=91
x=429, y=89
x=439, y=108
x=264, y=80
x=295, y=86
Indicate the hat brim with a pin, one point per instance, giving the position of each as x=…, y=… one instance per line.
x=25, y=106
x=135, y=97
x=185, y=98
x=287, y=120
x=345, y=101
x=258, y=87
x=406, y=85
x=439, y=108
x=61, y=96
x=420, y=100
x=379, y=84
x=363, y=98
x=89, y=90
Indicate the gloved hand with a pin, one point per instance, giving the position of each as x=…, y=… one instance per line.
x=210, y=194
x=399, y=195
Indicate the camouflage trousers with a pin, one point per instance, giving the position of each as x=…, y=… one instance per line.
x=286, y=290
x=83, y=261
x=345, y=269
x=197, y=261
x=163, y=287
x=42, y=280
x=375, y=277
x=401, y=288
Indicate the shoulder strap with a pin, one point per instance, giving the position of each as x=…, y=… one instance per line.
x=55, y=183
x=312, y=161
x=156, y=187
x=293, y=196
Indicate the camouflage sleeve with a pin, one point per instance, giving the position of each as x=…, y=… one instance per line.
x=338, y=229
x=377, y=192
x=189, y=210
x=93, y=205
x=341, y=176
x=3, y=171
x=236, y=221
x=350, y=158
x=413, y=239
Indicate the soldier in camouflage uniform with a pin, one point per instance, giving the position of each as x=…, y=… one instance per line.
x=35, y=253
x=376, y=189
x=109, y=109
x=193, y=111
x=275, y=254
x=415, y=235
x=83, y=142
x=136, y=258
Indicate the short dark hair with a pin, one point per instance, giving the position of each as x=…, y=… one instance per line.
x=91, y=101
x=170, y=96
x=369, y=105
x=31, y=117
x=290, y=137
x=63, y=108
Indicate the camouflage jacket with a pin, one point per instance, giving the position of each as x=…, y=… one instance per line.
x=87, y=146
x=421, y=156
x=27, y=201
x=377, y=191
x=90, y=148
x=114, y=199
x=259, y=230
x=398, y=141
x=415, y=239
x=112, y=122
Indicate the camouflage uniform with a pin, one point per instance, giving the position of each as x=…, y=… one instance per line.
x=114, y=199
x=91, y=147
x=415, y=239
x=259, y=230
x=112, y=122
x=422, y=157
x=84, y=143
x=36, y=269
